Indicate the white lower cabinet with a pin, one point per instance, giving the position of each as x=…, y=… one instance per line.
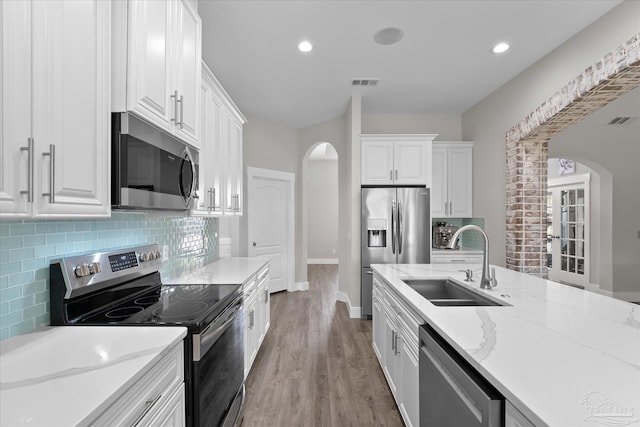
x=257, y=315
x=396, y=343
x=156, y=399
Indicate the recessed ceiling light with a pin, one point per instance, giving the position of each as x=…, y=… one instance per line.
x=388, y=36
x=305, y=46
x=500, y=47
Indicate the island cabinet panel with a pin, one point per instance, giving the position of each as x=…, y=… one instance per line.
x=155, y=399
x=396, y=343
x=55, y=109
x=513, y=417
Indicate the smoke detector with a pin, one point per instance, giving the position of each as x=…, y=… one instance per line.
x=364, y=82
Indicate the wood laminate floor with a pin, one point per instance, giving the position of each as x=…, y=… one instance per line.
x=316, y=366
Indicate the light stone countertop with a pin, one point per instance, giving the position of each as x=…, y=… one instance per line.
x=235, y=270
x=68, y=375
x=557, y=353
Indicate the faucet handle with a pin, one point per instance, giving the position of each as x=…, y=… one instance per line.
x=494, y=281
x=469, y=274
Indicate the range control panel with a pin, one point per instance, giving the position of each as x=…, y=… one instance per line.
x=105, y=267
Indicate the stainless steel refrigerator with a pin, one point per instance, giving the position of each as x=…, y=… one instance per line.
x=395, y=229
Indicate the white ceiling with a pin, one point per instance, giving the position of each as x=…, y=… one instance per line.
x=442, y=65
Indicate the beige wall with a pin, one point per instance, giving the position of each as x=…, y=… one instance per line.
x=447, y=126
x=487, y=122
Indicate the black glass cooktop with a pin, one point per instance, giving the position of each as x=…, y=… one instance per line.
x=185, y=305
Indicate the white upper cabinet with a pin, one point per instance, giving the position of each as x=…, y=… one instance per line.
x=55, y=109
x=221, y=168
x=396, y=159
x=452, y=171
x=156, y=64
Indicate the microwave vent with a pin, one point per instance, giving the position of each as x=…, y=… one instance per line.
x=364, y=82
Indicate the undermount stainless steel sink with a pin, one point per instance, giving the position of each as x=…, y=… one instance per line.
x=448, y=293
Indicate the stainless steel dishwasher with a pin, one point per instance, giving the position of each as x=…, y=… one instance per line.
x=452, y=393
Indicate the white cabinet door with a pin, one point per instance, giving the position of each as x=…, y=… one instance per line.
x=439, y=191
x=15, y=109
x=410, y=404
x=232, y=134
x=460, y=182
x=188, y=72
x=391, y=353
x=70, y=112
x=149, y=61
x=377, y=162
x=410, y=163
x=452, y=173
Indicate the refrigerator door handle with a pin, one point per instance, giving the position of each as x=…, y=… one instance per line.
x=399, y=228
x=393, y=227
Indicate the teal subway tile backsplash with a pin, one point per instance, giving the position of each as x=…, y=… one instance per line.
x=471, y=240
x=27, y=248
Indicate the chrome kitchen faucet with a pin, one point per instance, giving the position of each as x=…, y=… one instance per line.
x=488, y=281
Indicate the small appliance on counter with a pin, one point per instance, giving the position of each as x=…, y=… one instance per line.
x=442, y=234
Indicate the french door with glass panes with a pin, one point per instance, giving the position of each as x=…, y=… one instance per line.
x=568, y=229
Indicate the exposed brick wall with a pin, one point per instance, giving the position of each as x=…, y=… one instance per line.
x=527, y=150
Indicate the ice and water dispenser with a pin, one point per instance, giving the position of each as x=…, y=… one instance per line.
x=376, y=232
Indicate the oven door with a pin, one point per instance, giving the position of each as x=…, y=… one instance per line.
x=218, y=369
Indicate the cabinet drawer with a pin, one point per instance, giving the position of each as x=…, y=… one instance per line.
x=456, y=259
x=152, y=390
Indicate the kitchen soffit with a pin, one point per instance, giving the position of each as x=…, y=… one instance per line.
x=443, y=64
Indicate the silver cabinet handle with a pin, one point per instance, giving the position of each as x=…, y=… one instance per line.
x=396, y=351
x=253, y=318
x=266, y=296
x=393, y=341
x=236, y=202
x=30, y=166
x=147, y=407
x=212, y=198
x=181, y=101
x=446, y=208
x=396, y=174
x=391, y=175
x=369, y=272
x=52, y=173
x=450, y=208
x=175, y=106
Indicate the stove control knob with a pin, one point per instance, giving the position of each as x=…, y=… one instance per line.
x=144, y=256
x=95, y=267
x=81, y=270
x=158, y=255
x=152, y=255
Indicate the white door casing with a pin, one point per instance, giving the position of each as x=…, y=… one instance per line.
x=271, y=220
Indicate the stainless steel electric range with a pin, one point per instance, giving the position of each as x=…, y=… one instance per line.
x=124, y=288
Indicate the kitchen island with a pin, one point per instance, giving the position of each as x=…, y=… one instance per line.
x=560, y=355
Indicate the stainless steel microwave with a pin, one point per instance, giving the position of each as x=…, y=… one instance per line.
x=149, y=168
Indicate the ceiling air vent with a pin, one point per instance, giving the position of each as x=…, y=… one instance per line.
x=364, y=82
x=624, y=120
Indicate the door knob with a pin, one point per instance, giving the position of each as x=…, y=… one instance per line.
x=254, y=244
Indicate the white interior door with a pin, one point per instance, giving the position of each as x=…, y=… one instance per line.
x=568, y=223
x=270, y=224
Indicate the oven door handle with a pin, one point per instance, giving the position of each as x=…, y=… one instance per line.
x=204, y=341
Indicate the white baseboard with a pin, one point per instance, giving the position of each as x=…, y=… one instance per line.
x=354, y=312
x=298, y=286
x=592, y=287
x=322, y=261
